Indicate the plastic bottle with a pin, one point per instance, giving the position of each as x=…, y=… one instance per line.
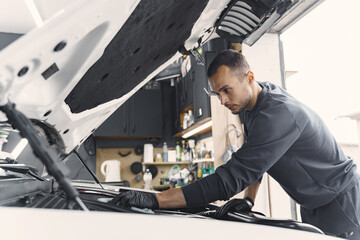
x=178, y=152
x=187, y=151
x=183, y=149
x=192, y=149
x=165, y=152
x=202, y=150
x=185, y=121
x=147, y=179
x=191, y=118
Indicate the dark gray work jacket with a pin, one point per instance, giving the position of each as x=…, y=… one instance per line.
x=289, y=141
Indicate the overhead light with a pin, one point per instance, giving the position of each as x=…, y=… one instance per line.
x=262, y=29
x=197, y=129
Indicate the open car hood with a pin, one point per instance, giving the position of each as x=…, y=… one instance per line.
x=76, y=69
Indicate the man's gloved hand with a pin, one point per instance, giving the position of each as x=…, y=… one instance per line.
x=136, y=199
x=236, y=205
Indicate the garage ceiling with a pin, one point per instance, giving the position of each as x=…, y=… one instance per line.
x=20, y=16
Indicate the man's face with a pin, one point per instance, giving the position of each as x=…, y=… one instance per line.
x=233, y=93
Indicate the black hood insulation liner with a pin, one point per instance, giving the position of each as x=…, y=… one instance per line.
x=151, y=35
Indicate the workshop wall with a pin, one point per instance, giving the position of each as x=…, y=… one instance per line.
x=264, y=60
x=103, y=154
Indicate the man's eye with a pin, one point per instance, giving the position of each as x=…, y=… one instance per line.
x=226, y=90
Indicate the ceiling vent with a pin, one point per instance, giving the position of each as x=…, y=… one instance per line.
x=246, y=21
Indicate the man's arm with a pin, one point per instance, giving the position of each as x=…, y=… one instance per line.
x=172, y=198
x=239, y=204
x=251, y=191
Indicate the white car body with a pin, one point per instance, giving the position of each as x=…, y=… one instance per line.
x=88, y=27
x=64, y=224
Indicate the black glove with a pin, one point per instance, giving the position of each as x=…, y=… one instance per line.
x=236, y=205
x=136, y=199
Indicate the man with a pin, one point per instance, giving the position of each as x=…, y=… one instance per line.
x=282, y=137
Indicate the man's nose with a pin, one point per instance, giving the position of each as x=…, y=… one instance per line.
x=223, y=99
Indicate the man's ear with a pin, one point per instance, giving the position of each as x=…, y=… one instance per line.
x=250, y=77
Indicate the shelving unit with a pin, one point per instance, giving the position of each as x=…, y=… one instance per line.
x=183, y=162
x=203, y=160
x=166, y=163
x=179, y=134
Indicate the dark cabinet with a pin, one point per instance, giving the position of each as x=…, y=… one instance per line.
x=192, y=96
x=193, y=88
x=139, y=116
x=201, y=86
x=201, y=100
x=186, y=89
x=116, y=124
x=147, y=119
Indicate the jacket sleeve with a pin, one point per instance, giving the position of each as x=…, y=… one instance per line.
x=270, y=135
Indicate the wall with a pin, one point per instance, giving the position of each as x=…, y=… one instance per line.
x=103, y=154
x=264, y=59
x=221, y=123
x=358, y=128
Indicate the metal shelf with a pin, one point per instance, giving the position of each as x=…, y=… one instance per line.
x=165, y=163
x=203, y=160
x=205, y=120
x=183, y=162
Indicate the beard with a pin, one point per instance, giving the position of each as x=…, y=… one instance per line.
x=238, y=111
x=242, y=105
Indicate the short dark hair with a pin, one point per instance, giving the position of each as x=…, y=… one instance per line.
x=233, y=60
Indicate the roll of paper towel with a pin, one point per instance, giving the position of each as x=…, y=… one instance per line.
x=172, y=156
x=148, y=153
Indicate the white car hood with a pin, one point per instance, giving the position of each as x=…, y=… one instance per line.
x=83, y=63
x=57, y=73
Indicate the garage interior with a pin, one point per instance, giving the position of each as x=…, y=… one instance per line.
x=173, y=111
